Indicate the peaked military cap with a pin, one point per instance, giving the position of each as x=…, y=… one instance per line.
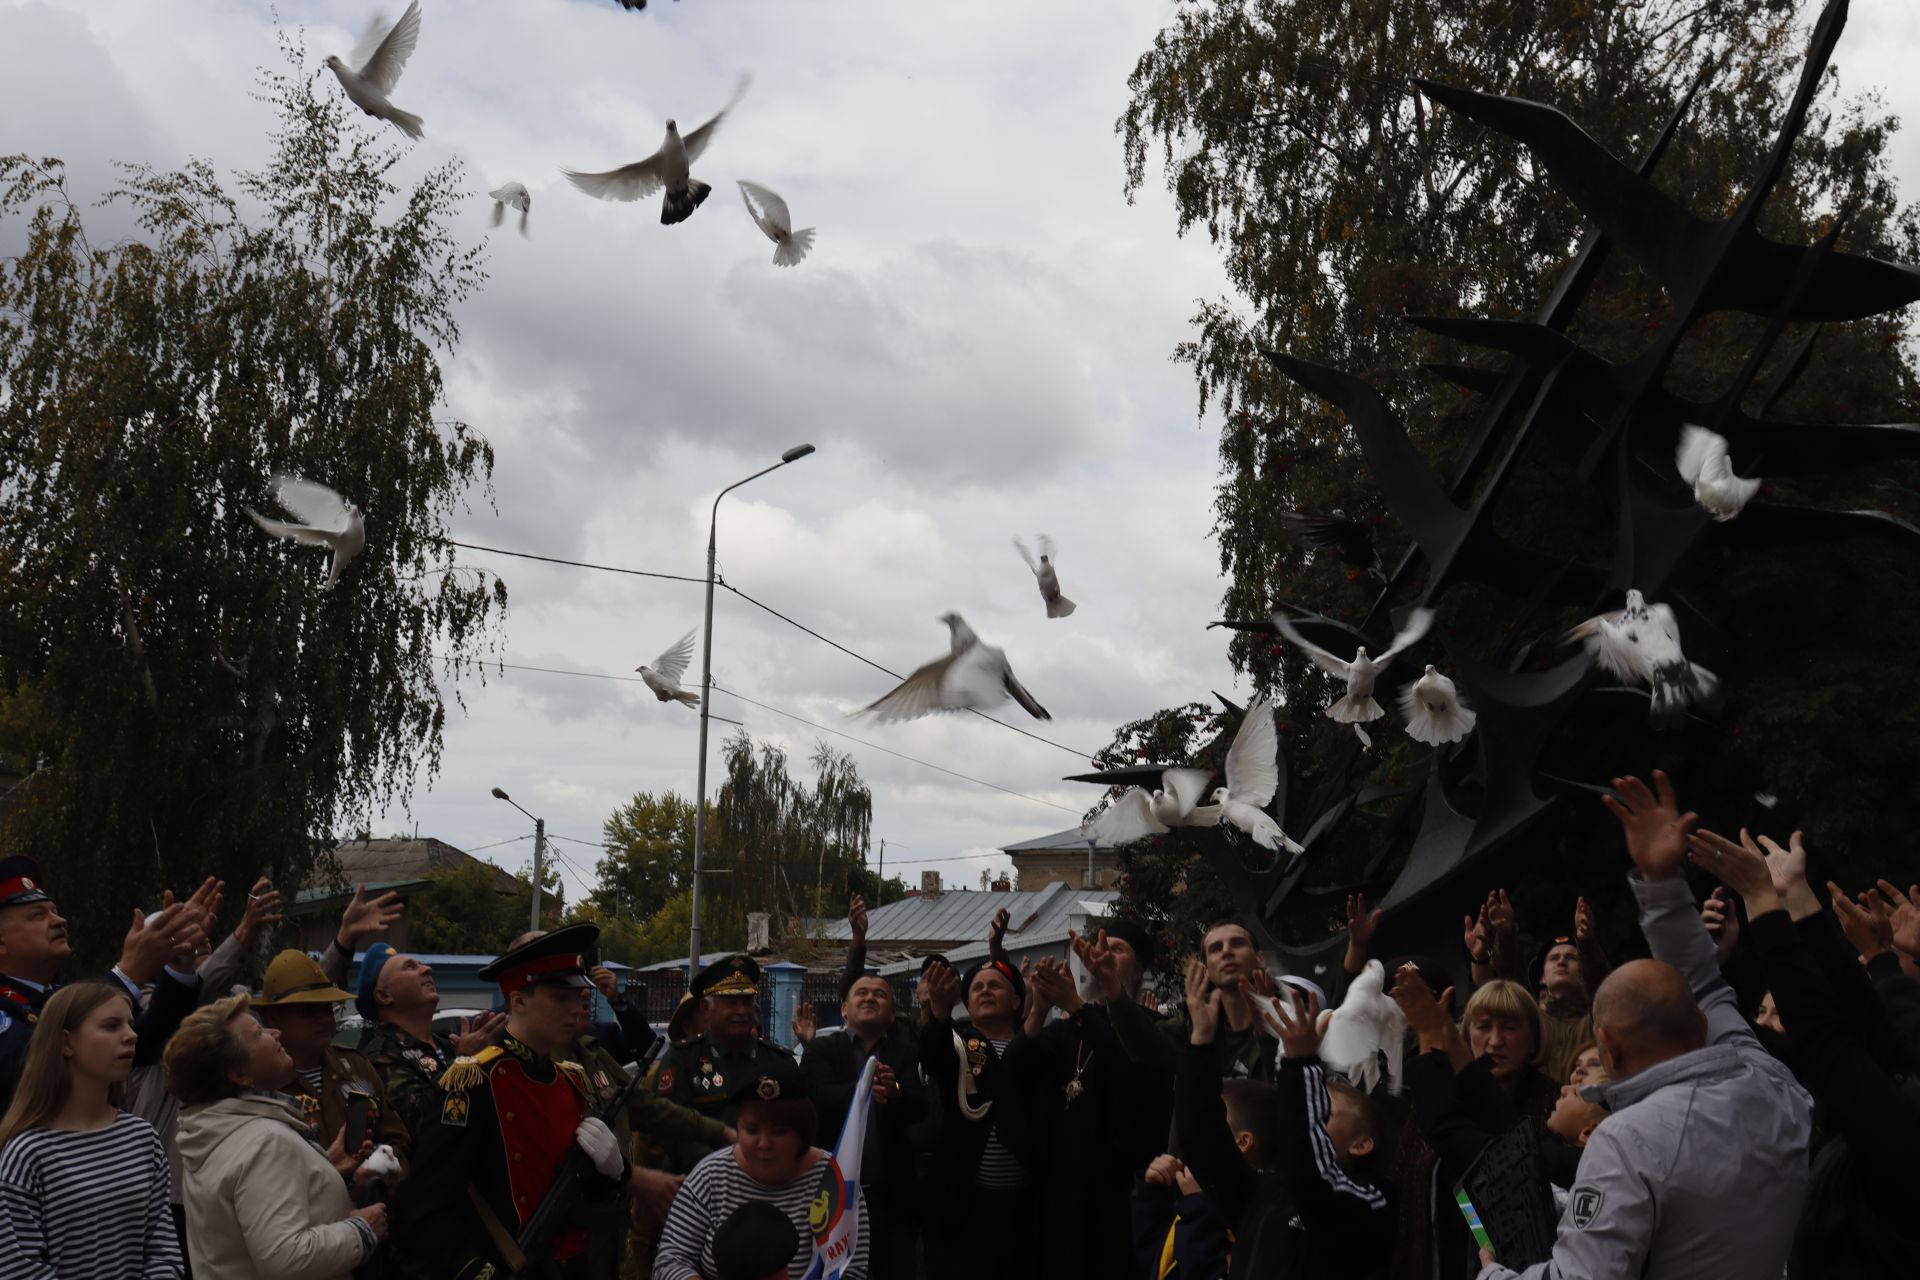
x=735, y=975
x=20, y=882
x=557, y=959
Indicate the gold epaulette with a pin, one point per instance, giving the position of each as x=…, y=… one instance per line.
x=465, y=1073
x=576, y=1073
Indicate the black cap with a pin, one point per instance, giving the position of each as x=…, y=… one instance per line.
x=1135, y=935
x=20, y=882
x=728, y=976
x=755, y=1241
x=927, y=962
x=1537, y=971
x=557, y=959
x=1006, y=970
x=773, y=1077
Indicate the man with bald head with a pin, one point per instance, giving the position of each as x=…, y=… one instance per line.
x=1701, y=1169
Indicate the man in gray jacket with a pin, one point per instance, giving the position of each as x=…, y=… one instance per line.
x=1701, y=1169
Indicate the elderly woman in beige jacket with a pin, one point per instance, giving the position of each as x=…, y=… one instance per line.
x=262, y=1199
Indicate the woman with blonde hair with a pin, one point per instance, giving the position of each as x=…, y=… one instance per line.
x=83, y=1184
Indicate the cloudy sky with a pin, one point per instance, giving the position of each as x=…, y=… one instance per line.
x=977, y=346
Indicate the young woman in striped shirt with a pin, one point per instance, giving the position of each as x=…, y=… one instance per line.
x=83, y=1184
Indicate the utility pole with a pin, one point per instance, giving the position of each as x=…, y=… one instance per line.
x=880, y=879
x=539, y=865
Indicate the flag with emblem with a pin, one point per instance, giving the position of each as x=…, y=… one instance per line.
x=834, y=1215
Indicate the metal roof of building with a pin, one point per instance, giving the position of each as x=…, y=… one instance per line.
x=404, y=859
x=961, y=916
x=1071, y=838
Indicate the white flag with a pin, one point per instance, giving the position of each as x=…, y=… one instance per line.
x=834, y=1215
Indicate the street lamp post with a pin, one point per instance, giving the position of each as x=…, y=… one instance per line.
x=794, y=454
x=539, y=854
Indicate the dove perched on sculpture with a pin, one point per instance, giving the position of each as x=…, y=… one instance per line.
x=1348, y=539
x=325, y=520
x=511, y=195
x=790, y=246
x=379, y=58
x=1703, y=462
x=1137, y=813
x=1640, y=644
x=669, y=167
x=1362, y=671
x=1368, y=1023
x=1434, y=710
x=663, y=677
x=1253, y=775
x=1058, y=606
x=973, y=676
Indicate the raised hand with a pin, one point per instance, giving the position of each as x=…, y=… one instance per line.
x=1426, y=1013
x=1655, y=828
x=942, y=988
x=1500, y=915
x=997, y=934
x=150, y=945
x=1151, y=1002
x=1102, y=964
x=1299, y=1030
x=362, y=919
x=477, y=1033
x=1739, y=866
x=1203, y=1005
x=806, y=1021
x=1478, y=938
x=1906, y=921
x=1867, y=923
x=263, y=909
x=1361, y=924
x=857, y=919
x=605, y=983
x=1582, y=922
x=1723, y=924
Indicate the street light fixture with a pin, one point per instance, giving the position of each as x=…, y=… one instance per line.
x=539, y=853
x=794, y=454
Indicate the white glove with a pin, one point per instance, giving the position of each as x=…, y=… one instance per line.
x=600, y=1145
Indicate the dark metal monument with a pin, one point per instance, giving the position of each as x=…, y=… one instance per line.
x=1477, y=796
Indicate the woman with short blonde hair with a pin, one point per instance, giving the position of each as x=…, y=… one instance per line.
x=83, y=1184
x=262, y=1199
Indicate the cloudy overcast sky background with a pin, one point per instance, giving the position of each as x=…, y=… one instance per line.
x=978, y=346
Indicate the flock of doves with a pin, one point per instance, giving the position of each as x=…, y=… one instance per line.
x=382, y=55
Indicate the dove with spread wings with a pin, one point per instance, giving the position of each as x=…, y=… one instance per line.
x=668, y=167
x=663, y=677
x=1640, y=644
x=1361, y=672
x=772, y=217
x=379, y=58
x=973, y=676
x=1058, y=606
x=325, y=520
x=1253, y=775
x=1137, y=813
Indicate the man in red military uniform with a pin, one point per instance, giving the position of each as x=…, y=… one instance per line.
x=505, y=1118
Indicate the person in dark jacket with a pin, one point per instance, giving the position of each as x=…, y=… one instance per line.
x=1178, y=1233
x=833, y=1063
x=1313, y=1208
x=981, y=1179
x=1846, y=1052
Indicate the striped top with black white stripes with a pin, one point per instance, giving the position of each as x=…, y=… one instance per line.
x=87, y=1204
x=716, y=1187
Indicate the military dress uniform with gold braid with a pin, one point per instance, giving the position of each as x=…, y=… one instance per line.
x=699, y=1073
x=505, y=1120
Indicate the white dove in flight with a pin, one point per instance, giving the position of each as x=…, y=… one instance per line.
x=973, y=676
x=1434, y=710
x=326, y=520
x=790, y=246
x=1358, y=706
x=381, y=58
x=1640, y=644
x=668, y=167
x=1253, y=775
x=1058, y=606
x=1703, y=462
x=663, y=677
x=1137, y=813
x=511, y=195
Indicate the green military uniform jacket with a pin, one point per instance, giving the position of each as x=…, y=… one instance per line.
x=347, y=1076
x=410, y=1069
x=699, y=1075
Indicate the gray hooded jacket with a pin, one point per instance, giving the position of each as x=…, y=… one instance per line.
x=1701, y=1170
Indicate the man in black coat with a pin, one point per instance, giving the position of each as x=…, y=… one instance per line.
x=833, y=1063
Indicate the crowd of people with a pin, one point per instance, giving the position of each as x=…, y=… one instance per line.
x=1542, y=1116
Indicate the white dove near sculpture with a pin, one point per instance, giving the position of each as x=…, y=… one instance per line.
x=1367, y=1024
x=790, y=246
x=326, y=520
x=973, y=676
x=1058, y=606
x=1434, y=710
x=663, y=677
x=1361, y=672
x=1703, y=462
x=1253, y=775
x=380, y=57
x=1640, y=644
x=1137, y=813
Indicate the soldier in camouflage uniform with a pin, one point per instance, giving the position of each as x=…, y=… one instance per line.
x=398, y=998
x=703, y=1072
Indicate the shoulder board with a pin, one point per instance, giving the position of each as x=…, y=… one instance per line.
x=467, y=1072
x=575, y=1074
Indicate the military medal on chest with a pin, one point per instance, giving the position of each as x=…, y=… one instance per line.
x=976, y=1056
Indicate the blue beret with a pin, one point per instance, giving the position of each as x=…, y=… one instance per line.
x=370, y=966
